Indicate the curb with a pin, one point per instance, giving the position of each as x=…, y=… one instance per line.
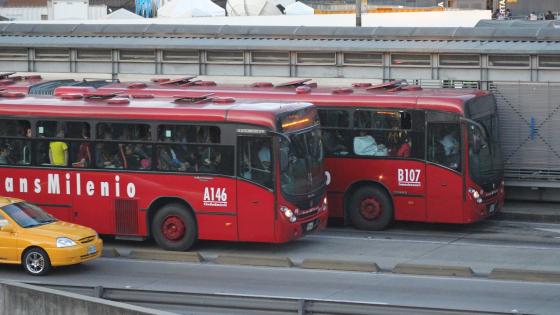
x=263, y=261
x=339, y=265
x=110, y=252
x=524, y=275
x=433, y=270
x=165, y=255
x=528, y=217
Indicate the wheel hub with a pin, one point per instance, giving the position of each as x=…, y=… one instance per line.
x=173, y=228
x=370, y=208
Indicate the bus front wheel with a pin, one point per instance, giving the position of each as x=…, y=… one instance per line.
x=174, y=228
x=370, y=209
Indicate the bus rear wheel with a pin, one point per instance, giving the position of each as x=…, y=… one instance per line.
x=174, y=228
x=370, y=209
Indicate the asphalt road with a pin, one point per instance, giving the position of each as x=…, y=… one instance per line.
x=482, y=246
x=441, y=292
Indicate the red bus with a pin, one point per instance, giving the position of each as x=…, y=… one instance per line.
x=394, y=152
x=176, y=170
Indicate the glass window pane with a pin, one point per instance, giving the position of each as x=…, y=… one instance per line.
x=94, y=54
x=224, y=56
x=459, y=60
x=189, y=134
x=334, y=118
x=362, y=59
x=137, y=55
x=410, y=60
x=549, y=61
x=52, y=53
x=508, y=61
x=255, y=160
x=120, y=131
x=316, y=58
x=15, y=128
x=444, y=146
x=180, y=55
x=15, y=152
x=13, y=53
x=270, y=57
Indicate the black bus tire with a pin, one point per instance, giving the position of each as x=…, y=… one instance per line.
x=174, y=227
x=370, y=209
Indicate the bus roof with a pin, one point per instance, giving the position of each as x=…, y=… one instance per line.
x=443, y=99
x=212, y=110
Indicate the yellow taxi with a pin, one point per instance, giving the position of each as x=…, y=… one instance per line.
x=33, y=238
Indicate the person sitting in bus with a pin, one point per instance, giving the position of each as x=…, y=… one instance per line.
x=264, y=157
x=26, y=150
x=365, y=144
x=105, y=158
x=404, y=149
x=450, y=146
x=4, y=155
x=333, y=142
x=83, y=159
x=132, y=159
x=169, y=160
x=58, y=151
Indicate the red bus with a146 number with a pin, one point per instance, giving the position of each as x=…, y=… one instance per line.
x=175, y=170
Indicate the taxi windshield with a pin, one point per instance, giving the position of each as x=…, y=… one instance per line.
x=27, y=215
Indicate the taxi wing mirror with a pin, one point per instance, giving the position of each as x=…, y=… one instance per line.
x=5, y=226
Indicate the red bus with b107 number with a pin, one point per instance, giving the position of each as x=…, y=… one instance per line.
x=395, y=152
x=175, y=170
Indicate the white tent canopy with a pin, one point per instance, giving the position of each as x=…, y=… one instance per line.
x=122, y=14
x=190, y=8
x=299, y=8
x=256, y=7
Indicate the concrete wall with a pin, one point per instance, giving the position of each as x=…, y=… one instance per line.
x=23, y=299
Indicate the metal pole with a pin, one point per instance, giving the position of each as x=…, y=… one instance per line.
x=358, y=13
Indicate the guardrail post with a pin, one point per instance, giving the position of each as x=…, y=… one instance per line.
x=98, y=291
x=301, y=307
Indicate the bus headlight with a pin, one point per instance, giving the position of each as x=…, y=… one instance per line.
x=325, y=206
x=288, y=213
x=64, y=242
x=474, y=193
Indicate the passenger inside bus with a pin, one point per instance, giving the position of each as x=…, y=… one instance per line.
x=333, y=141
x=106, y=156
x=4, y=155
x=83, y=158
x=365, y=145
x=58, y=150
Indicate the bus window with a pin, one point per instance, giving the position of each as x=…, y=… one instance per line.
x=335, y=132
x=122, y=131
x=136, y=156
x=109, y=155
x=444, y=145
x=15, y=148
x=255, y=160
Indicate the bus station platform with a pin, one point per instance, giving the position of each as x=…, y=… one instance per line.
x=546, y=212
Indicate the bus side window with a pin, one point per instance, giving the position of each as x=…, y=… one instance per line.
x=335, y=132
x=255, y=160
x=16, y=149
x=444, y=144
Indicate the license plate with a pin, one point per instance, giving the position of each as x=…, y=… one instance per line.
x=91, y=249
x=309, y=226
x=492, y=208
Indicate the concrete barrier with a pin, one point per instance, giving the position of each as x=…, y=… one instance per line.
x=165, y=255
x=265, y=261
x=23, y=299
x=339, y=265
x=433, y=270
x=524, y=275
x=110, y=252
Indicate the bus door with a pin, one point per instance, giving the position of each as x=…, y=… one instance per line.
x=255, y=189
x=444, y=172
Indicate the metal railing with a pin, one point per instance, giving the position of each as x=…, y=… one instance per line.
x=200, y=303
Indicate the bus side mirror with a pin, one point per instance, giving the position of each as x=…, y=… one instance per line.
x=476, y=144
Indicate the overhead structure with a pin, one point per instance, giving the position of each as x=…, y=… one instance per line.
x=257, y=7
x=299, y=8
x=190, y=8
x=122, y=14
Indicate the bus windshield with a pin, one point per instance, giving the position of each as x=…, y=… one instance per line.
x=301, y=163
x=485, y=156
